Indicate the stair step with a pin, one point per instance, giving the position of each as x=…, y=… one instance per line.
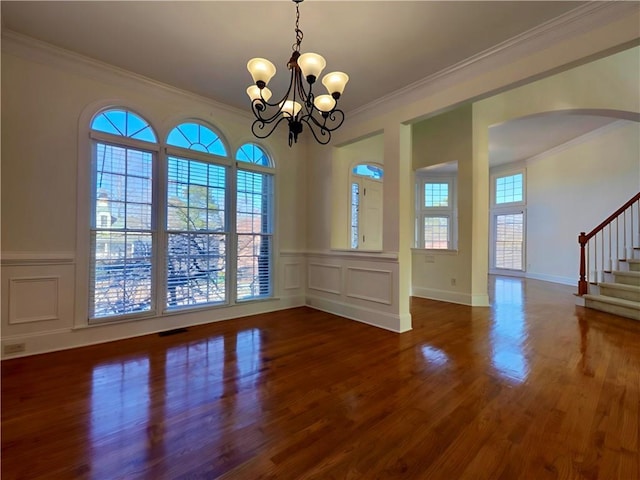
x=634, y=264
x=616, y=306
x=628, y=278
x=620, y=290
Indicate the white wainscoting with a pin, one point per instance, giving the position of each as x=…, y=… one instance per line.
x=33, y=299
x=325, y=278
x=38, y=304
x=370, y=284
x=356, y=285
x=37, y=295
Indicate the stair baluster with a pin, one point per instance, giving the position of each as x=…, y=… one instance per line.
x=617, y=272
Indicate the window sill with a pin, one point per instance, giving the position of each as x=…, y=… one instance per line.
x=434, y=251
x=171, y=313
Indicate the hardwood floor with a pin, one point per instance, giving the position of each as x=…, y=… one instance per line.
x=531, y=388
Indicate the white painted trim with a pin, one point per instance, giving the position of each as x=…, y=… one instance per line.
x=37, y=258
x=38, y=51
x=322, y=289
x=356, y=255
x=388, y=301
x=295, y=265
x=13, y=281
x=63, y=339
x=553, y=279
x=471, y=300
x=375, y=318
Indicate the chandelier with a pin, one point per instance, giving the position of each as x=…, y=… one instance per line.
x=299, y=105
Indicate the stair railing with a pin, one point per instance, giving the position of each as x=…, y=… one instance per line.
x=613, y=241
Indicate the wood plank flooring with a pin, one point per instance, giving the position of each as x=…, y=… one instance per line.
x=531, y=388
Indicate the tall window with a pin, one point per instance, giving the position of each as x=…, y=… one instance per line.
x=254, y=223
x=122, y=229
x=508, y=221
x=435, y=211
x=196, y=218
x=365, y=225
x=162, y=235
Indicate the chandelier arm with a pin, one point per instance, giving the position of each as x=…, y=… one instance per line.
x=325, y=133
x=335, y=118
x=259, y=125
x=260, y=107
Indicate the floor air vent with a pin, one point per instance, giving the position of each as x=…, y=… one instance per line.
x=175, y=331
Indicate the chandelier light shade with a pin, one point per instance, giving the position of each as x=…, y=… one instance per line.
x=299, y=105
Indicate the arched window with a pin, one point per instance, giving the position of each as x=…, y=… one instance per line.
x=161, y=216
x=366, y=170
x=254, y=222
x=196, y=217
x=123, y=123
x=252, y=153
x=121, y=228
x=198, y=137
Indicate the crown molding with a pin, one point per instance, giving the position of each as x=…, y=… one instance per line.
x=45, y=53
x=570, y=24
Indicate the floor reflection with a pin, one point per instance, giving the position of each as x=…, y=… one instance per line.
x=508, y=332
x=434, y=356
x=119, y=410
x=194, y=374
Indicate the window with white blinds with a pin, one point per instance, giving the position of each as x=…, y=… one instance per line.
x=508, y=217
x=175, y=235
x=196, y=233
x=121, y=231
x=254, y=224
x=509, y=241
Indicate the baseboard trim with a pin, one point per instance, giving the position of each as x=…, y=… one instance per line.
x=469, y=299
x=397, y=323
x=552, y=278
x=65, y=339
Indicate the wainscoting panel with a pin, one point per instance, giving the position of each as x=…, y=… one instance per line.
x=325, y=278
x=370, y=284
x=37, y=294
x=291, y=276
x=33, y=299
x=362, y=286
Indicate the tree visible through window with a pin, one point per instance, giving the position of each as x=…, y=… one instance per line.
x=183, y=238
x=254, y=224
x=122, y=238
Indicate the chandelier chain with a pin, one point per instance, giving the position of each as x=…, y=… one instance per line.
x=299, y=34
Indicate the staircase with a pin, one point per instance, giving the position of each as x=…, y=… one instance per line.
x=610, y=263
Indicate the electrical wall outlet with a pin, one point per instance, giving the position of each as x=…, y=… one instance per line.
x=453, y=282
x=12, y=348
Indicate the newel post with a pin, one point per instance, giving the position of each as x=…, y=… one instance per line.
x=582, y=283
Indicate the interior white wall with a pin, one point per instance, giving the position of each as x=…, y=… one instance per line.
x=572, y=191
x=367, y=150
x=45, y=92
x=442, y=139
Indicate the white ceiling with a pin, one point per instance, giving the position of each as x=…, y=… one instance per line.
x=203, y=47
